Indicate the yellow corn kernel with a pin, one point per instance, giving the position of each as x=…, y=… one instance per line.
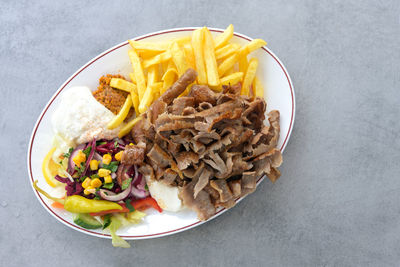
x=107, y=159
x=94, y=164
x=131, y=144
x=89, y=190
x=86, y=182
x=104, y=172
x=108, y=179
x=79, y=158
x=96, y=183
x=118, y=156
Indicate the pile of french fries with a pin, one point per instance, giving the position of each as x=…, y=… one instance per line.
x=157, y=65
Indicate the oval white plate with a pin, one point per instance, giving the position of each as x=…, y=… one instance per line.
x=279, y=94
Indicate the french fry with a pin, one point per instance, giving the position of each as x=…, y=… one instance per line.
x=155, y=89
x=135, y=102
x=197, y=44
x=128, y=127
x=148, y=96
x=122, y=84
x=164, y=66
x=247, y=49
x=227, y=64
x=249, y=77
x=165, y=56
x=152, y=75
x=178, y=57
x=226, y=51
x=250, y=47
x=224, y=37
x=133, y=78
x=232, y=79
x=169, y=77
x=114, y=123
x=149, y=46
x=127, y=87
x=258, y=88
x=146, y=54
x=146, y=100
x=243, y=63
x=209, y=59
x=182, y=40
x=230, y=71
x=187, y=90
x=189, y=55
x=138, y=71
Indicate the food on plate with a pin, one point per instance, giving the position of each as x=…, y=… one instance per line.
x=212, y=147
x=185, y=132
x=79, y=118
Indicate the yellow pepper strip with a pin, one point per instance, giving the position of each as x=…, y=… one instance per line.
x=114, y=123
x=128, y=127
x=249, y=77
x=80, y=204
x=224, y=37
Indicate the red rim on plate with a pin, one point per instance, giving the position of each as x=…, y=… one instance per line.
x=102, y=55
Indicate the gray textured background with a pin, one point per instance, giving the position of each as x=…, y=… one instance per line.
x=338, y=200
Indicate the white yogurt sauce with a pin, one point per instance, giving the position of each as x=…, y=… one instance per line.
x=79, y=117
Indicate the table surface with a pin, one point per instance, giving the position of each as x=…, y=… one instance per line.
x=338, y=200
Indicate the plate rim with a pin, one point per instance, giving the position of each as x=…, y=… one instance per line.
x=90, y=62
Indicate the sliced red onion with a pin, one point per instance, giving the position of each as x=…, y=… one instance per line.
x=113, y=175
x=103, y=150
x=90, y=157
x=120, y=141
x=139, y=193
x=68, y=175
x=142, y=184
x=71, y=164
x=97, y=156
x=106, y=194
x=137, y=177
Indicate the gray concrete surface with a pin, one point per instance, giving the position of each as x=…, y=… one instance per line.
x=338, y=200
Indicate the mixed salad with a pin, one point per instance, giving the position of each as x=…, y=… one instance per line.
x=103, y=192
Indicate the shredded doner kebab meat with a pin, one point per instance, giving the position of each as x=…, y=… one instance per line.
x=213, y=146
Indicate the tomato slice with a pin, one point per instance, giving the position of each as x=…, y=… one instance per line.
x=145, y=203
x=140, y=204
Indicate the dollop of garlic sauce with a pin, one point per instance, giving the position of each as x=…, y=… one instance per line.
x=79, y=118
x=165, y=195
